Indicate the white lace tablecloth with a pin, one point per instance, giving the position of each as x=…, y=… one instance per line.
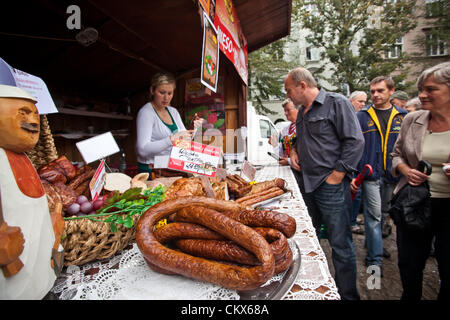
x=127, y=276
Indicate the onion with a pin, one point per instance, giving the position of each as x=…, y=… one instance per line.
x=73, y=209
x=86, y=207
x=97, y=204
x=82, y=199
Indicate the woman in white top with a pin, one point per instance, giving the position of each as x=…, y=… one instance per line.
x=159, y=124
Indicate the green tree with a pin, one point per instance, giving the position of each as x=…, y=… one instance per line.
x=267, y=68
x=356, y=37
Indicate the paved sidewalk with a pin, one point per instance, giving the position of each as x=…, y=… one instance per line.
x=390, y=287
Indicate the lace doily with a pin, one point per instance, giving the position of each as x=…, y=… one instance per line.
x=127, y=276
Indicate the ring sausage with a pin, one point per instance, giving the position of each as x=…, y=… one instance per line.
x=265, y=218
x=256, y=218
x=184, y=230
x=232, y=277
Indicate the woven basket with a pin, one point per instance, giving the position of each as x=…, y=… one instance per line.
x=83, y=240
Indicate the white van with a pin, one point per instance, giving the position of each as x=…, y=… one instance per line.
x=259, y=129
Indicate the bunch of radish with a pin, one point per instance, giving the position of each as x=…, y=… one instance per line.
x=83, y=206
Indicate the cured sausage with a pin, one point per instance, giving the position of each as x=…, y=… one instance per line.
x=255, y=218
x=184, y=230
x=261, y=186
x=229, y=251
x=203, y=242
x=262, y=193
x=217, y=250
x=233, y=277
x=265, y=218
x=271, y=193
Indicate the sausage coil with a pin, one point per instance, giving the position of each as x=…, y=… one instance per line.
x=233, y=277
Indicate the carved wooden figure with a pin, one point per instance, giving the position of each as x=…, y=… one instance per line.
x=27, y=234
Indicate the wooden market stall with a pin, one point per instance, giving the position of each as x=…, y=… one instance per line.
x=98, y=74
x=100, y=86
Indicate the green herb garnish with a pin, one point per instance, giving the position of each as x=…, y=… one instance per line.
x=120, y=208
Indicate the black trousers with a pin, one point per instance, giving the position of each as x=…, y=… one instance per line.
x=414, y=249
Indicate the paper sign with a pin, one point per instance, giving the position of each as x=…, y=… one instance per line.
x=98, y=181
x=32, y=84
x=98, y=147
x=194, y=157
x=210, y=55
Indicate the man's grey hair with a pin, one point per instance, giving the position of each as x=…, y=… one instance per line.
x=357, y=93
x=302, y=74
x=415, y=101
x=441, y=73
x=287, y=101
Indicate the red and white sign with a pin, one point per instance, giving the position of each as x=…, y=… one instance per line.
x=232, y=41
x=98, y=181
x=194, y=157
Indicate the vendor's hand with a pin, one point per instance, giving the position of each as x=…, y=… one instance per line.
x=294, y=160
x=335, y=177
x=198, y=123
x=447, y=169
x=353, y=187
x=185, y=135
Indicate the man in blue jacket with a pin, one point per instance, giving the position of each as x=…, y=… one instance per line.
x=380, y=124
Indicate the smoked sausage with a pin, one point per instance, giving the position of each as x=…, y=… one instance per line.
x=233, y=277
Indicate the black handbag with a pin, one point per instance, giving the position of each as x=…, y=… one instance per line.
x=411, y=206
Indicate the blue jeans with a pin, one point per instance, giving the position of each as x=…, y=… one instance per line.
x=330, y=205
x=387, y=190
x=371, y=197
x=356, y=205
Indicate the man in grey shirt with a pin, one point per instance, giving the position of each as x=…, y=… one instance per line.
x=328, y=148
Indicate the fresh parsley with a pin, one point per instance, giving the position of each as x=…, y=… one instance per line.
x=121, y=208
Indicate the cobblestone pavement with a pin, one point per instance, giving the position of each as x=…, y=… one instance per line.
x=389, y=287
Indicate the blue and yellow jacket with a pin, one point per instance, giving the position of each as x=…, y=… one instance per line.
x=377, y=148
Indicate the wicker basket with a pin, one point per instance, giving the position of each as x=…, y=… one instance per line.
x=83, y=240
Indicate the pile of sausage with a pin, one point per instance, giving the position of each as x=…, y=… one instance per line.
x=217, y=241
x=263, y=191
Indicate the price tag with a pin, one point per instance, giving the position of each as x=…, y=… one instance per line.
x=193, y=157
x=98, y=181
x=248, y=170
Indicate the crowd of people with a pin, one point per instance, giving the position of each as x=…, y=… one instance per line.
x=336, y=137
x=330, y=140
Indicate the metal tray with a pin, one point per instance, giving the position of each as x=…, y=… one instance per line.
x=266, y=202
x=277, y=289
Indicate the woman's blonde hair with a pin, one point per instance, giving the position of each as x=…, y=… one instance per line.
x=163, y=78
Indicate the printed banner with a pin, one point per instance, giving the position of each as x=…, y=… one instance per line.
x=193, y=157
x=232, y=41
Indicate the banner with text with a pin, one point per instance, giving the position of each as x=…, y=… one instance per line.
x=232, y=41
